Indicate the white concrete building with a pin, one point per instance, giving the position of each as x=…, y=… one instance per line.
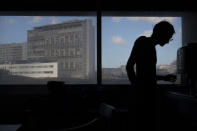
x=70, y=43
x=35, y=70
x=13, y=52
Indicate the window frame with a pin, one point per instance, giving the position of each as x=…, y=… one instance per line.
x=98, y=14
x=142, y=14
x=50, y=13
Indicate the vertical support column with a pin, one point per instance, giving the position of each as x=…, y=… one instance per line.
x=99, y=59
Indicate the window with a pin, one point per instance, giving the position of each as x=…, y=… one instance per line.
x=72, y=40
x=36, y=36
x=118, y=36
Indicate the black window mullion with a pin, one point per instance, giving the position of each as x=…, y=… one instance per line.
x=99, y=61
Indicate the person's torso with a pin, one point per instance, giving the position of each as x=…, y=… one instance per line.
x=146, y=60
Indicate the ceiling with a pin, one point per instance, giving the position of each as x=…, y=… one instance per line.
x=99, y=5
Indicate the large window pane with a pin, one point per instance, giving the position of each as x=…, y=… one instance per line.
x=118, y=37
x=37, y=49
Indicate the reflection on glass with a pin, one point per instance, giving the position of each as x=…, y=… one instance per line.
x=35, y=49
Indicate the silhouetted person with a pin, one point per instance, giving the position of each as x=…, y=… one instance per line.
x=144, y=79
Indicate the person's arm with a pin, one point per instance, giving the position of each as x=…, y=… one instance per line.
x=134, y=56
x=169, y=77
x=159, y=77
x=131, y=72
x=130, y=69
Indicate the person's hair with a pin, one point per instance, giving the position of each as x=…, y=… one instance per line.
x=163, y=27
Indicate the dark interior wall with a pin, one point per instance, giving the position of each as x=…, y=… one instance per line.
x=189, y=27
x=15, y=99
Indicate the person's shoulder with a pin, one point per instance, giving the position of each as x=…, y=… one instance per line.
x=141, y=40
x=141, y=37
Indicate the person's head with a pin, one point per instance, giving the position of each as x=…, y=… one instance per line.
x=163, y=32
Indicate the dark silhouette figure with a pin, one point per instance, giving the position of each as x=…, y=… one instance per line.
x=143, y=57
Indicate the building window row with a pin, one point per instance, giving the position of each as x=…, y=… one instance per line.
x=75, y=53
x=33, y=72
x=72, y=66
x=73, y=36
x=56, y=27
x=41, y=66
